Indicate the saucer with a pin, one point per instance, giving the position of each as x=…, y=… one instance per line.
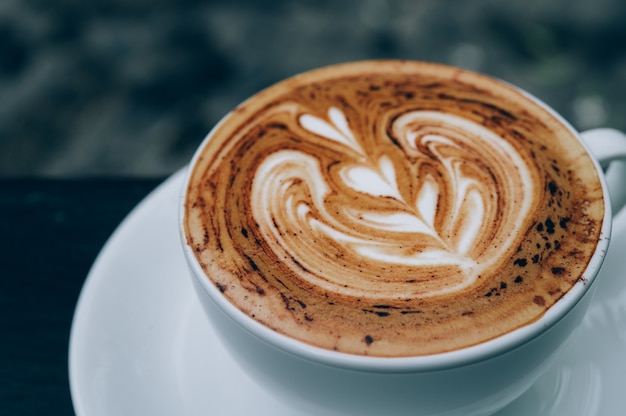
x=141, y=344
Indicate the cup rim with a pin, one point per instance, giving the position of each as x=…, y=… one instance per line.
x=421, y=363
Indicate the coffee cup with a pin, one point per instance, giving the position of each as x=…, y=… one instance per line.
x=397, y=237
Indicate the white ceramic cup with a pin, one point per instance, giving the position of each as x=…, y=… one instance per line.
x=478, y=380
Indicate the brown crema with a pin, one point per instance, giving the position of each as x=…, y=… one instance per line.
x=393, y=208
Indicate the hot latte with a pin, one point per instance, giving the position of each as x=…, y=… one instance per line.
x=393, y=208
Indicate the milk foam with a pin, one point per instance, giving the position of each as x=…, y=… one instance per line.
x=462, y=237
x=393, y=209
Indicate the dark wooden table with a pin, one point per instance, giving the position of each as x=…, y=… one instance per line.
x=50, y=233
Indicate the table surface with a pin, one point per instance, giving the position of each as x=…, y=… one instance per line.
x=51, y=232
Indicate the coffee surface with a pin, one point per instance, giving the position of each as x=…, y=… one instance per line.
x=393, y=208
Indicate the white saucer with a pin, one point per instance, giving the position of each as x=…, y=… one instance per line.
x=141, y=345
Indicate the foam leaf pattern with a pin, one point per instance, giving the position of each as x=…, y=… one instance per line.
x=437, y=220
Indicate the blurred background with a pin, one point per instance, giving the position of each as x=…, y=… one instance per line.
x=119, y=87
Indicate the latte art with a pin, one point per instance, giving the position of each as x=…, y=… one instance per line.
x=392, y=208
x=456, y=213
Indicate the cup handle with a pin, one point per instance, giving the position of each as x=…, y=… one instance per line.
x=609, y=148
